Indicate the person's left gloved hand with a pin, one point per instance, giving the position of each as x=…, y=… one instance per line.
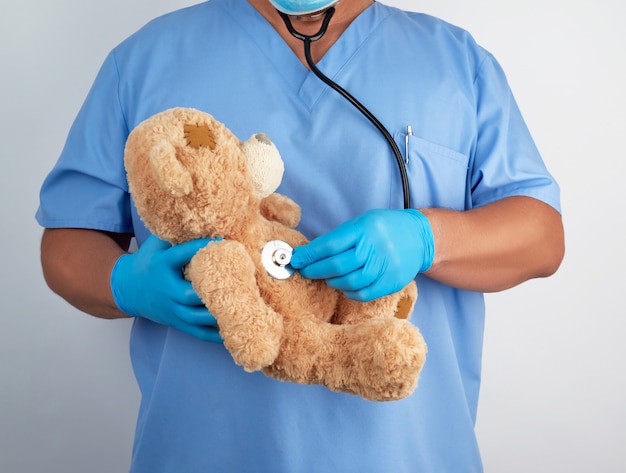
x=373, y=255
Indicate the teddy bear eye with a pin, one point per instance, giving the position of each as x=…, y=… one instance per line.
x=199, y=136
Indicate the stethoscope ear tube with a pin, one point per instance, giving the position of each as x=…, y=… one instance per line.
x=349, y=97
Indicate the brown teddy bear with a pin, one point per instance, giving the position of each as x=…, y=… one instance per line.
x=190, y=177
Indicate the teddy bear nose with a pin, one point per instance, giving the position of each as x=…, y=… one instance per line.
x=263, y=138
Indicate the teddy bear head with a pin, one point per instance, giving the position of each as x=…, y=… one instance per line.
x=191, y=177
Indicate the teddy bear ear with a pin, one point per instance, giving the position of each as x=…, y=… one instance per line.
x=265, y=164
x=167, y=170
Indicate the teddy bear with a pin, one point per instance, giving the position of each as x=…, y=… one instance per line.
x=191, y=177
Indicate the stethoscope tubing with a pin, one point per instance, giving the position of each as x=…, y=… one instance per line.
x=308, y=39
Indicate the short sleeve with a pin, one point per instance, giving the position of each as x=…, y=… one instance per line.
x=506, y=161
x=87, y=187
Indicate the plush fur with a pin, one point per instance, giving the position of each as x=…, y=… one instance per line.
x=190, y=177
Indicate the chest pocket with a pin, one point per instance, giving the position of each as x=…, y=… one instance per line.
x=438, y=176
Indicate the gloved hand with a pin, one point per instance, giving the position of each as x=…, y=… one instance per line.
x=373, y=255
x=150, y=284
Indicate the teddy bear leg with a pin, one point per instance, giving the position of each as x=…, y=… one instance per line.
x=378, y=359
x=223, y=275
x=399, y=305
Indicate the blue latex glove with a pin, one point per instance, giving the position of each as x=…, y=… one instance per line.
x=150, y=284
x=373, y=255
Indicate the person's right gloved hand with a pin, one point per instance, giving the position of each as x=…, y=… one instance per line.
x=150, y=284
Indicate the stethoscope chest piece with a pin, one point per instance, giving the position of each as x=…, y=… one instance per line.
x=276, y=256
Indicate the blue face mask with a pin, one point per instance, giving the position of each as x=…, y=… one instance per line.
x=301, y=7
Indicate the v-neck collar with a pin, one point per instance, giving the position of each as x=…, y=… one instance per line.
x=298, y=78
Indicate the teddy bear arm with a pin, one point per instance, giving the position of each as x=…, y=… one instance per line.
x=223, y=275
x=281, y=209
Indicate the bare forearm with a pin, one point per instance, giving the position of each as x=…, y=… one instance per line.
x=77, y=265
x=497, y=246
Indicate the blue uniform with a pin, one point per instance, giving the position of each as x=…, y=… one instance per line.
x=470, y=146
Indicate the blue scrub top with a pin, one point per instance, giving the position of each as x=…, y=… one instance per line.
x=199, y=411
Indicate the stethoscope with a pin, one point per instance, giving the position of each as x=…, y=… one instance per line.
x=308, y=39
x=276, y=254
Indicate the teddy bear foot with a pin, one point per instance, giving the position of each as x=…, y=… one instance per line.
x=388, y=363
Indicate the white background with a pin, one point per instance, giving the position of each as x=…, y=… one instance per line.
x=554, y=390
